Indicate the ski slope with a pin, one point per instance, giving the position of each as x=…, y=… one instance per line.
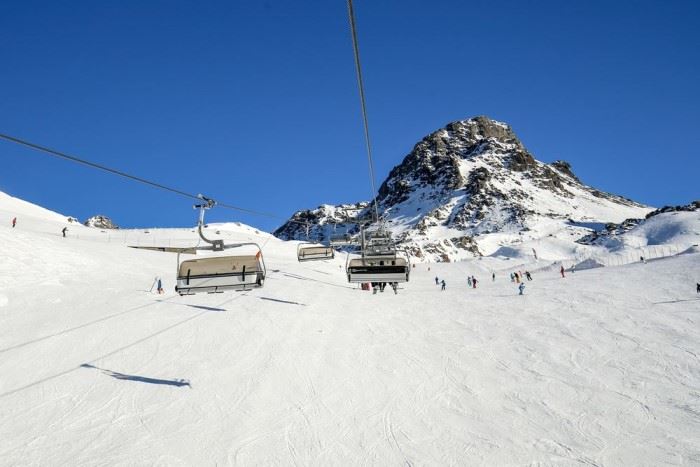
x=599, y=368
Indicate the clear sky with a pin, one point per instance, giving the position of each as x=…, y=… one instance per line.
x=255, y=102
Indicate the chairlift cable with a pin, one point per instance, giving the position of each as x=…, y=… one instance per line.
x=358, y=69
x=59, y=154
x=94, y=165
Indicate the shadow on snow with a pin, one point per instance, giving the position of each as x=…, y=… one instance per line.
x=141, y=379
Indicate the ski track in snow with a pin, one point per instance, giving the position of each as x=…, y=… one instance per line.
x=600, y=368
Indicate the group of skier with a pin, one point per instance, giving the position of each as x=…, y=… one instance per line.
x=382, y=285
x=438, y=282
x=517, y=276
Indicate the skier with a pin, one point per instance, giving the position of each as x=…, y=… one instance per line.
x=697, y=287
x=160, y=287
x=528, y=275
x=374, y=287
x=517, y=277
x=469, y=280
x=382, y=285
x=641, y=258
x=474, y=282
x=512, y=279
x=443, y=284
x=64, y=231
x=493, y=277
x=14, y=222
x=395, y=286
x=562, y=271
x=436, y=280
x=521, y=287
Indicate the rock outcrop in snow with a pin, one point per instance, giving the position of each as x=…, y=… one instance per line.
x=467, y=180
x=100, y=222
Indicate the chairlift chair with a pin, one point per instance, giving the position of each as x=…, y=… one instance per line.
x=385, y=268
x=313, y=252
x=380, y=260
x=310, y=252
x=341, y=240
x=220, y=272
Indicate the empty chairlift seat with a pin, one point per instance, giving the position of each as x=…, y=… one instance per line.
x=220, y=273
x=307, y=252
x=341, y=240
x=378, y=269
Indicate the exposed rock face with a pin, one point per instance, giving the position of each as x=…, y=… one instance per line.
x=471, y=178
x=100, y=222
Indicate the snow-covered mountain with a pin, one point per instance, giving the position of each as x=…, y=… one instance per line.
x=466, y=182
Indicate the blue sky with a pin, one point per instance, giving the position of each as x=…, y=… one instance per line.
x=255, y=103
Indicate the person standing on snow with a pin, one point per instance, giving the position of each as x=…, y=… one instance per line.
x=469, y=280
x=64, y=231
x=562, y=271
x=14, y=222
x=160, y=287
x=697, y=287
x=443, y=284
x=528, y=275
x=517, y=277
x=474, y=282
x=521, y=287
x=512, y=279
x=436, y=280
x=493, y=277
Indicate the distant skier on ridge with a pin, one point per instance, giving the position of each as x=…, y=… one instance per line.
x=443, y=284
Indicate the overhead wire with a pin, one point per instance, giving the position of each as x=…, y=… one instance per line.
x=120, y=173
x=363, y=105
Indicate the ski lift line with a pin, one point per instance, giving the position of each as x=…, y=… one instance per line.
x=360, y=84
x=94, y=165
x=120, y=173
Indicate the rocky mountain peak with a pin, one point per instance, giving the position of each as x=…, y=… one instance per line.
x=473, y=178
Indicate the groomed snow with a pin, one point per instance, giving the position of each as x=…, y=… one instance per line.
x=600, y=368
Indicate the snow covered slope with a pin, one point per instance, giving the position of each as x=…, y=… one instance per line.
x=466, y=181
x=599, y=368
x=11, y=207
x=679, y=227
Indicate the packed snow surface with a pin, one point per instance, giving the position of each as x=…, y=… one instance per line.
x=601, y=367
